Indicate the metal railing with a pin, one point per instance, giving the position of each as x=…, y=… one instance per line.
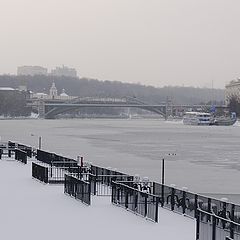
x=213, y=227
x=139, y=202
x=21, y=156
x=40, y=172
x=78, y=189
x=53, y=174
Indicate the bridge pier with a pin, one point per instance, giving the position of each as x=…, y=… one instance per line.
x=41, y=109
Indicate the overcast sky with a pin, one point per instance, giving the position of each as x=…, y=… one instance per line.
x=153, y=42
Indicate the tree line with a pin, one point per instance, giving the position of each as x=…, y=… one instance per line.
x=85, y=87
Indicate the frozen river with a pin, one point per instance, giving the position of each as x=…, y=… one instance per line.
x=205, y=159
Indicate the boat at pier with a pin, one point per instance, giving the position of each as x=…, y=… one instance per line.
x=224, y=121
x=197, y=118
x=206, y=119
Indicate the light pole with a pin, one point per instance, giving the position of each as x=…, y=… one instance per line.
x=39, y=140
x=163, y=171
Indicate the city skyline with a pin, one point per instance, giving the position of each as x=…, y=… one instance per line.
x=158, y=43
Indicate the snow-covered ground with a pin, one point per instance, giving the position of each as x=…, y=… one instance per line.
x=30, y=210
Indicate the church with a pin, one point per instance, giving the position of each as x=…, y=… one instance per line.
x=53, y=94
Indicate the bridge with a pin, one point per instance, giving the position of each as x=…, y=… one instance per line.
x=50, y=108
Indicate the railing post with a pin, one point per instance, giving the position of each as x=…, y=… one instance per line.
x=46, y=174
x=197, y=216
x=118, y=194
x=51, y=165
x=146, y=204
x=78, y=172
x=232, y=218
x=209, y=208
x=195, y=206
x=156, y=209
x=213, y=227
x=95, y=183
x=162, y=195
x=89, y=193
x=126, y=198
x=172, y=198
x=184, y=202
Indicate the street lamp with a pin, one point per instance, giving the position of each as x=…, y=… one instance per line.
x=39, y=140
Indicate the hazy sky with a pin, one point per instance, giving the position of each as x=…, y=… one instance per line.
x=154, y=42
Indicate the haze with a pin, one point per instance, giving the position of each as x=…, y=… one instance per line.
x=154, y=42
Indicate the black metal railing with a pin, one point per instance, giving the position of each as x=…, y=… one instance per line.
x=187, y=203
x=213, y=227
x=11, y=147
x=78, y=189
x=21, y=156
x=101, y=185
x=56, y=175
x=100, y=180
x=54, y=159
x=40, y=172
x=26, y=149
x=139, y=202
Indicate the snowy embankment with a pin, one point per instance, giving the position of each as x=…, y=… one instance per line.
x=30, y=210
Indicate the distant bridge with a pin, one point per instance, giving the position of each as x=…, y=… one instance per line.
x=49, y=109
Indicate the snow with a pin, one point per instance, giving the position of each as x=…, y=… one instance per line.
x=6, y=89
x=31, y=210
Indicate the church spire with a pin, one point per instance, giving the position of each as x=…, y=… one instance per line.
x=53, y=91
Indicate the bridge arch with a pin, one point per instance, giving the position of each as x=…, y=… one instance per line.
x=53, y=110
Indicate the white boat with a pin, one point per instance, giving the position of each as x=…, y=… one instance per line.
x=197, y=118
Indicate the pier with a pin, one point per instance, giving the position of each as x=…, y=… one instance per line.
x=215, y=219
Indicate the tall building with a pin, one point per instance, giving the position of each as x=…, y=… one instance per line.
x=64, y=71
x=31, y=70
x=232, y=90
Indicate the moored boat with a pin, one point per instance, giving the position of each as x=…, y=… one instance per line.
x=197, y=118
x=224, y=121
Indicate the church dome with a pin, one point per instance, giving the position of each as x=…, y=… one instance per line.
x=63, y=94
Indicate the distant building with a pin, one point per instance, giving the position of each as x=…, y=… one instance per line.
x=31, y=70
x=64, y=71
x=53, y=91
x=232, y=90
x=53, y=94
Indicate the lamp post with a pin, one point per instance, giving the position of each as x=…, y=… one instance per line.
x=163, y=171
x=39, y=140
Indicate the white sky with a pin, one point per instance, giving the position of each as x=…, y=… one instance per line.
x=154, y=42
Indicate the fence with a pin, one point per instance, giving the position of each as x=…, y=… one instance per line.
x=213, y=227
x=54, y=159
x=21, y=156
x=53, y=174
x=101, y=185
x=26, y=149
x=40, y=172
x=11, y=148
x=139, y=202
x=78, y=189
x=11, y=145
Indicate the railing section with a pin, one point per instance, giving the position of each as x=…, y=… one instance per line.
x=40, y=172
x=21, y=156
x=78, y=189
x=139, y=202
x=213, y=227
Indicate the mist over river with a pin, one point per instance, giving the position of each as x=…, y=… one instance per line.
x=203, y=158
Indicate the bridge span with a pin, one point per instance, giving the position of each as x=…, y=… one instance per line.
x=50, y=108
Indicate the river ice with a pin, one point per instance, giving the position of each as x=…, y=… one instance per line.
x=205, y=159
